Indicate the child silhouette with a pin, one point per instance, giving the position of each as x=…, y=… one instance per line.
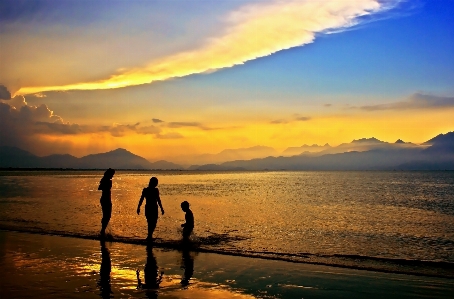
x=189, y=217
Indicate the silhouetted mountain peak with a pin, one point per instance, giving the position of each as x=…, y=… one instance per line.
x=253, y=148
x=441, y=139
x=314, y=145
x=441, y=145
x=120, y=151
x=117, y=159
x=367, y=140
x=12, y=150
x=399, y=141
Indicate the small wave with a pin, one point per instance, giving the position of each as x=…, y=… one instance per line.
x=214, y=244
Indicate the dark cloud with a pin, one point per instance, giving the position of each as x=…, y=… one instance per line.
x=4, y=93
x=188, y=124
x=295, y=117
x=120, y=130
x=303, y=118
x=415, y=101
x=156, y=121
x=21, y=123
x=278, y=121
x=57, y=128
x=148, y=130
x=328, y=105
x=183, y=124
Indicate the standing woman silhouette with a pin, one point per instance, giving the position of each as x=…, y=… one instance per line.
x=106, y=203
x=151, y=193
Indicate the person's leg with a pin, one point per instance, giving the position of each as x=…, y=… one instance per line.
x=152, y=221
x=187, y=231
x=106, y=214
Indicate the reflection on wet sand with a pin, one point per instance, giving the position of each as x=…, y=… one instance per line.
x=152, y=278
x=44, y=267
x=104, y=272
x=187, y=263
x=176, y=286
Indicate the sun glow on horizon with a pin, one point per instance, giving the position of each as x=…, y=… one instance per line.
x=183, y=144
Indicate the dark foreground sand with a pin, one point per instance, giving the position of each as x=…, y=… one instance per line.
x=42, y=266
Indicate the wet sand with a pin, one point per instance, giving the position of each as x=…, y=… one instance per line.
x=45, y=266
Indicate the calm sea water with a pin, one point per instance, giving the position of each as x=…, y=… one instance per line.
x=388, y=221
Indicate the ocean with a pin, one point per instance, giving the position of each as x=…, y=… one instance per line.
x=399, y=222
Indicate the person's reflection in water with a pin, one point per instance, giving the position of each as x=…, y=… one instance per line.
x=152, y=278
x=104, y=272
x=187, y=263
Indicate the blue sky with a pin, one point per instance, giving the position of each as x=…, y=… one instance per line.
x=408, y=51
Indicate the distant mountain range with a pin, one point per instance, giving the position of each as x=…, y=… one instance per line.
x=294, y=151
x=117, y=159
x=362, y=154
x=231, y=155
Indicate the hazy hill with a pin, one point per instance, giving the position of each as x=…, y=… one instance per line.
x=117, y=159
x=370, y=154
x=232, y=154
x=442, y=145
x=16, y=157
x=367, y=144
x=165, y=165
x=294, y=151
x=447, y=138
x=378, y=159
x=59, y=161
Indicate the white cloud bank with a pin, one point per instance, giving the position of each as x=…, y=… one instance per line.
x=253, y=31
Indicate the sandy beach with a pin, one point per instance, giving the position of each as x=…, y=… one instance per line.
x=46, y=266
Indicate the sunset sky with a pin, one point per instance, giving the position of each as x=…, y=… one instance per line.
x=166, y=79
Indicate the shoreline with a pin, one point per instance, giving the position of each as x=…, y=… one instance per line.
x=363, y=263
x=48, y=266
x=37, y=169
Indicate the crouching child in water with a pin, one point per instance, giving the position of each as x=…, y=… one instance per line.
x=189, y=217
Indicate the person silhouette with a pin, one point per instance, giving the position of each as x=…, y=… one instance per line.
x=104, y=272
x=151, y=194
x=106, y=203
x=152, y=278
x=189, y=217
